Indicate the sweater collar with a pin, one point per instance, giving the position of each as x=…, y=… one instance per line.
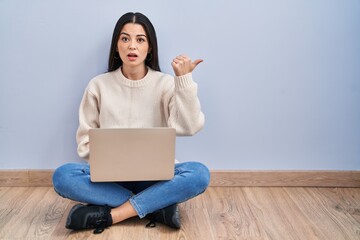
x=133, y=83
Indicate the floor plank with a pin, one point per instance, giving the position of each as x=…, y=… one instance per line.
x=220, y=213
x=321, y=214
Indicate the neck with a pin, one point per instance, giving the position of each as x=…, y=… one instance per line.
x=134, y=73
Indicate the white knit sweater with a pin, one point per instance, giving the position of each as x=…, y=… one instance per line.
x=158, y=100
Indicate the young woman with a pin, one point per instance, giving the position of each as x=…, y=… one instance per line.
x=134, y=94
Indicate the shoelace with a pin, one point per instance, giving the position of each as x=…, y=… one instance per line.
x=97, y=222
x=101, y=227
x=151, y=224
x=155, y=218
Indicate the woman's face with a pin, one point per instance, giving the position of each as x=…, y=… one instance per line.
x=133, y=45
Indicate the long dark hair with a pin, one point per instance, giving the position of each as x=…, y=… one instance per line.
x=153, y=59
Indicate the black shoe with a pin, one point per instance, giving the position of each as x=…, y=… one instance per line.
x=91, y=216
x=169, y=216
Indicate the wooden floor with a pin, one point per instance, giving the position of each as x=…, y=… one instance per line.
x=219, y=213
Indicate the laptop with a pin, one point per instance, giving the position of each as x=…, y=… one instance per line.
x=131, y=154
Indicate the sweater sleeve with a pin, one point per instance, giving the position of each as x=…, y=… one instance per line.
x=88, y=118
x=184, y=107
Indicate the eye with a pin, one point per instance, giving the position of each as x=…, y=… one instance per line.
x=141, y=40
x=124, y=39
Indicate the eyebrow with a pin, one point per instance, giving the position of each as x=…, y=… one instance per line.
x=139, y=35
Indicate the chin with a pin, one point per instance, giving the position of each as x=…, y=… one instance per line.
x=134, y=64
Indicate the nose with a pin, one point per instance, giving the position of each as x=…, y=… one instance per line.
x=132, y=45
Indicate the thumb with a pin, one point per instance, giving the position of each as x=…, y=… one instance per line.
x=195, y=63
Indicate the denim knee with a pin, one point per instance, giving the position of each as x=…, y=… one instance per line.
x=61, y=177
x=200, y=177
x=204, y=176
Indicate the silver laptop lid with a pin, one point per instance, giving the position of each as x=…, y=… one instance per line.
x=132, y=154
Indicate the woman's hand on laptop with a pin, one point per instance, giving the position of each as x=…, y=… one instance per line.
x=182, y=65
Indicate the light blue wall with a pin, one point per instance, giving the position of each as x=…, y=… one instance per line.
x=280, y=85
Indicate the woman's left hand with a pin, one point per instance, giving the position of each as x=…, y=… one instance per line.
x=182, y=65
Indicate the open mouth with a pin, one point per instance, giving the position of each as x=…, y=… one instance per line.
x=132, y=56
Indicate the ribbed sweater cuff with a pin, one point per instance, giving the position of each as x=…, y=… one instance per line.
x=183, y=81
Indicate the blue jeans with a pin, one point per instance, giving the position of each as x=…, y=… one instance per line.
x=72, y=181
